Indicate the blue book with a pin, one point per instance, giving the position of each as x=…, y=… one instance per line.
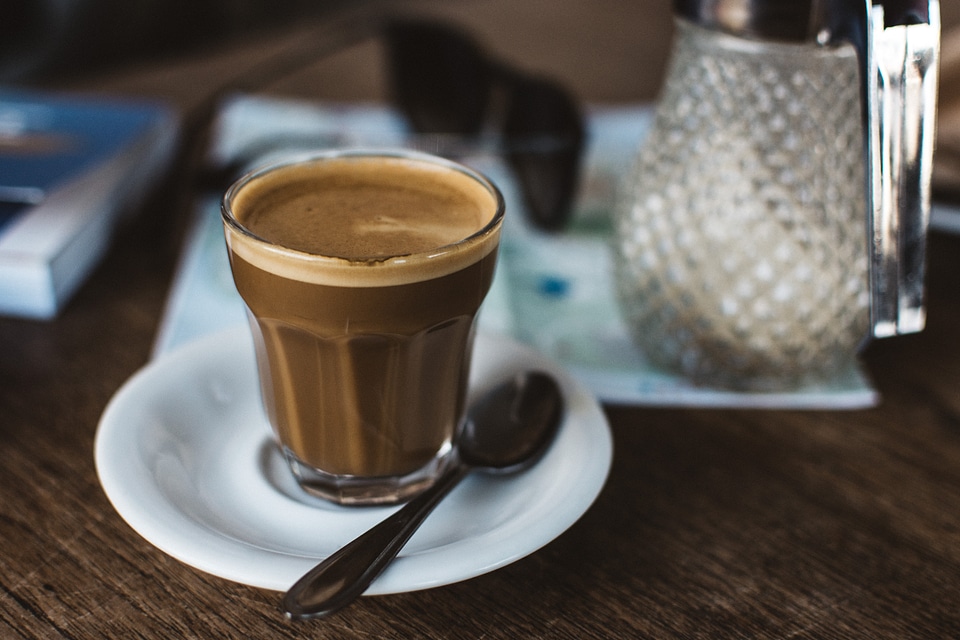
x=69, y=167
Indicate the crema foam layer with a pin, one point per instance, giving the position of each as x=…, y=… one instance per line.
x=363, y=221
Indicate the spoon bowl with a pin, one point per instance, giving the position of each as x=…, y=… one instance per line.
x=508, y=429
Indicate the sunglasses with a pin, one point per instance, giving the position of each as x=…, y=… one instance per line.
x=443, y=83
x=458, y=99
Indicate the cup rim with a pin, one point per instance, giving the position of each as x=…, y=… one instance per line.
x=301, y=157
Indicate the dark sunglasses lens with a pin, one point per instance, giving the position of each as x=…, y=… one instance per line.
x=545, y=137
x=439, y=78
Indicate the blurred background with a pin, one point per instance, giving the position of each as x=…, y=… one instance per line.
x=134, y=45
x=182, y=49
x=186, y=51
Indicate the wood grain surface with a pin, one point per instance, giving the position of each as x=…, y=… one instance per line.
x=713, y=523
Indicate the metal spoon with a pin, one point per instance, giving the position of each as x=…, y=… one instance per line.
x=507, y=430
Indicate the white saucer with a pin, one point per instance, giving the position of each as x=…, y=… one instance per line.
x=185, y=455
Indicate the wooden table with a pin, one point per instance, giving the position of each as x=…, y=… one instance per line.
x=713, y=523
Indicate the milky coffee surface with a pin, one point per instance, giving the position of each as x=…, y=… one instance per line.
x=360, y=212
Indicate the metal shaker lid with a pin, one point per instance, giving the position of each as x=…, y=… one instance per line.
x=794, y=20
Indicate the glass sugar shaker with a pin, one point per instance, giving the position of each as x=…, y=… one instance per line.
x=776, y=215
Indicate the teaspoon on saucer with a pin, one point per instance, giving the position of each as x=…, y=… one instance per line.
x=506, y=430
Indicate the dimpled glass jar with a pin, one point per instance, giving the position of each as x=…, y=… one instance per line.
x=741, y=231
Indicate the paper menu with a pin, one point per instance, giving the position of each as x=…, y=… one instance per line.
x=554, y=292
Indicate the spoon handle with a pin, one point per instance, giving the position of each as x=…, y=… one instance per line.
x=345, y=575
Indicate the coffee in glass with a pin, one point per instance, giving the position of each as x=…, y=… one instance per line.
x=362, y=272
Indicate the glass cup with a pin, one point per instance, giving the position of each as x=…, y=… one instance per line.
x=362, y=272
